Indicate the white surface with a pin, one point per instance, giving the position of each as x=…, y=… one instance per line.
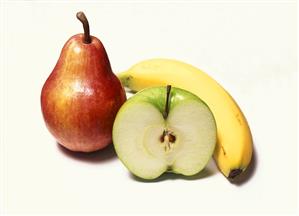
x=250, y=48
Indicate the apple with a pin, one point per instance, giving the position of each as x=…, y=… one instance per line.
x=164, y=130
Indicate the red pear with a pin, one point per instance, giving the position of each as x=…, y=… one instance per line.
x=81, y=96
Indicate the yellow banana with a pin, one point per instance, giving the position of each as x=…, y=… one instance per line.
x=234, y=142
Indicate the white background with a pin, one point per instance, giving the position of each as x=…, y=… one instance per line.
x=249, y=47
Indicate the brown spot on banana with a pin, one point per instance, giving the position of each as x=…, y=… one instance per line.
x=223, y=150
x=238, y=118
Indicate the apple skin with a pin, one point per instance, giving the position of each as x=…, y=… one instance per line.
x=82, y=96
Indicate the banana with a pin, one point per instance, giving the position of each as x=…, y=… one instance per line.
x=234, y=146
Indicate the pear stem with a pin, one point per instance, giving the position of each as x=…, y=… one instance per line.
x=81, y=16
x=166, y=110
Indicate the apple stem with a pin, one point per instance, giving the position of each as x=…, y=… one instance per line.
x=81, y=16
x=166, y=111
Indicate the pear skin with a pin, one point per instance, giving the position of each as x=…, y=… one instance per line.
x=82, y=96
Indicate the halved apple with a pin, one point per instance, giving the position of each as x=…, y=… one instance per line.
x=164, y=130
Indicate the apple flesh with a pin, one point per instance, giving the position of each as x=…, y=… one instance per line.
x=149, y=143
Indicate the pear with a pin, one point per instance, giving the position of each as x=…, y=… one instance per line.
x=82, y=96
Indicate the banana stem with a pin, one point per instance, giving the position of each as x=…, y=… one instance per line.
x=81, y=16
x=166, y=110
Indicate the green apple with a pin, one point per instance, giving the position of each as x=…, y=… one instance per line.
x=164, y=130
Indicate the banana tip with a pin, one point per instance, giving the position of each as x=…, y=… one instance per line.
x=234, y=173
